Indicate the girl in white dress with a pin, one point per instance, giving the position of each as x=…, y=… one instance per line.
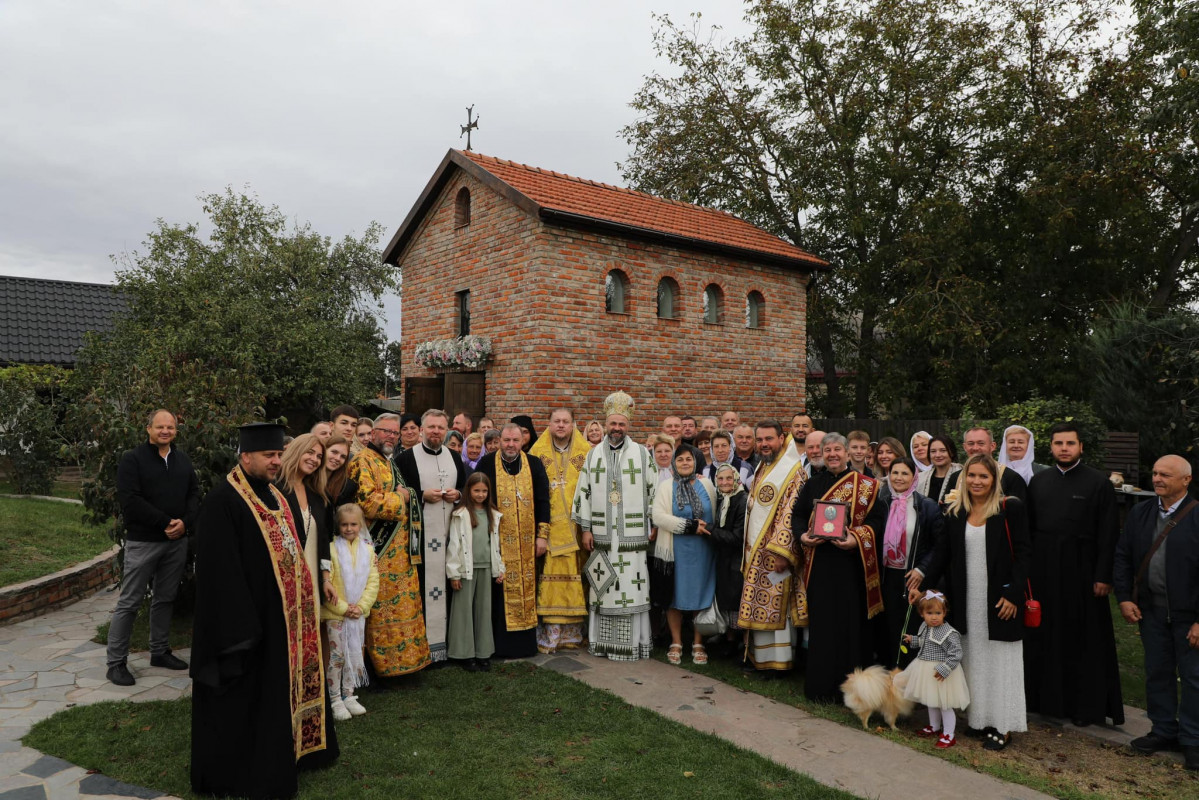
x=936, y=677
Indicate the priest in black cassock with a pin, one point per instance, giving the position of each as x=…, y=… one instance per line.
x=841, y=577
x=521, y=490
x=259, y=708
x=1070, y=665
x=979, y=440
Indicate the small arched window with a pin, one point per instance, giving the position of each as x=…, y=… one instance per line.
x=755, y=310
x=713, y=305
x=616, y=288
x=462, y=208
x=668, y=298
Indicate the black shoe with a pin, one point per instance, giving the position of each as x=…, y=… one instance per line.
x=1079, y=723
x=1152, y=743
x=470, y=664
x=484, y=664
x=1190, y=754
x=168, y=660
x=120, y=675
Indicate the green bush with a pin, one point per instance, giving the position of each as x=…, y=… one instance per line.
x=29, y=406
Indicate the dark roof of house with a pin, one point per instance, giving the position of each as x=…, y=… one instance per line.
x=577, y=203
x=43, y=322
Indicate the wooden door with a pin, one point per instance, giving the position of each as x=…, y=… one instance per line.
x=466, y=391
x=421, y=394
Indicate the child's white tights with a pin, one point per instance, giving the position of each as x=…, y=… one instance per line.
x=943, y=719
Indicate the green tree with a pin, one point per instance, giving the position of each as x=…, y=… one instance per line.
x=257, y=320
x=31, y=405
x=985, y=186
x=1147, y=379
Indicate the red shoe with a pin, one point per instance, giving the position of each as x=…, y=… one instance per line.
x=945, y=742
x=927, y=731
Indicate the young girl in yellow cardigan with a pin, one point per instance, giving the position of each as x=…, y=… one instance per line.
x=356, y=579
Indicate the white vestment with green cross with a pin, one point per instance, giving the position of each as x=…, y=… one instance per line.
x=613, y=500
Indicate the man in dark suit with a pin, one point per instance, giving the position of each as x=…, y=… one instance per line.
x=1156, y=578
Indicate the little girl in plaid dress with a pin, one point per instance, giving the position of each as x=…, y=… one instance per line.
x=935, y=678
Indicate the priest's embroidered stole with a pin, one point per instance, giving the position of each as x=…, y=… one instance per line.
x=306, y=677
x=858, y=493
x=518, y=544
x=765, y=603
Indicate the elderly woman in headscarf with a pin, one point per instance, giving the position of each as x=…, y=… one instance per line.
x=1018, y=451
x=684, y=514
x=728, y=539
x=918, y=450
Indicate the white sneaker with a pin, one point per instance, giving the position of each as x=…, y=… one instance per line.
x=340, y=713
x=353, y=706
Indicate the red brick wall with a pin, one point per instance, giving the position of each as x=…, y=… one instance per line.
x=538, y=292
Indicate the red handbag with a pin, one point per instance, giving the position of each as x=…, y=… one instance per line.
x=1032, y=606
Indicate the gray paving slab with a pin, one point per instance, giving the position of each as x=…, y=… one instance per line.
x=46, y=766
x=34, y=792
x=102, y=784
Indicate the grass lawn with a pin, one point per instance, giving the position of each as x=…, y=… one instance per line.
x=61, y=488
x=1066, y=764
x=516, y=732
x=38, y=537
x=139, y=641
x=1131, y=657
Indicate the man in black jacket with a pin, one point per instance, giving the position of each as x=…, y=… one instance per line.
x=1156, y=578
x=159, y=497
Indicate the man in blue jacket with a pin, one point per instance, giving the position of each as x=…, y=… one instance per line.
x=159, y=497
x=1156, y=577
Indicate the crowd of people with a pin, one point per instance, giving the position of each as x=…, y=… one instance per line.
x=373, y=548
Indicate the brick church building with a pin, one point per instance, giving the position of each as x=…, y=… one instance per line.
x=584, y=288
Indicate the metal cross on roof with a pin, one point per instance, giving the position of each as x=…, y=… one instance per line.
x=469, y=126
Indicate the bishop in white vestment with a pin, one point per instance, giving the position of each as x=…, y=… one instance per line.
x=612, y=506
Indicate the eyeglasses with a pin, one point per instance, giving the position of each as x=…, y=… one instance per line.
x=387, y=432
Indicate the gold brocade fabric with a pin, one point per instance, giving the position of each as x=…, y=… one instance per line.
x=560, y=598
x=858, y=493
x=301, y=615
x=765, y=606
x=518, y=544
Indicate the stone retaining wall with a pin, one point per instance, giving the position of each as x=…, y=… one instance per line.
x=31, y=598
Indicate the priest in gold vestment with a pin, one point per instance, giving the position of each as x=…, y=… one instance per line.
x=561, y=605
x=521, y=494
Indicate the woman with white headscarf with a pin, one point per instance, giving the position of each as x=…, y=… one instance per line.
x=1017, y=452
x=918, y=450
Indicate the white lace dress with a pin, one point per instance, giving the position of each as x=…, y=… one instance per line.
x=994, y=670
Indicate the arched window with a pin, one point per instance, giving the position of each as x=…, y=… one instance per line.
x=713, y=305
x=616, y=288
x=755, y=310
x=668, y=298
x=462, y=208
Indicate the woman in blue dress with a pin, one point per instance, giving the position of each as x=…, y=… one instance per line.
x=683, y=515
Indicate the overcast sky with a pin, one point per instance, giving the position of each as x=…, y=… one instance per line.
x=117, y=113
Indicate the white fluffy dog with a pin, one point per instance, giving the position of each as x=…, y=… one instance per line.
x=875, y=690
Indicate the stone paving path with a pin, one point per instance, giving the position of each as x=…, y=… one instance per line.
x=50, y=663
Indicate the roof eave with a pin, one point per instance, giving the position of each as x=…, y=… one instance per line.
x=441, y=176
x=583, y=222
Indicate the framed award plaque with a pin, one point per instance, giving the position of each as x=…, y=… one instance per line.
x=828, y=520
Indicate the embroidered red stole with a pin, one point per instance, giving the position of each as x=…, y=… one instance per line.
x=306, y=679
x=859, y=493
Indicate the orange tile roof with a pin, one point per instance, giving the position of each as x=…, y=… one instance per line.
x=613, y=204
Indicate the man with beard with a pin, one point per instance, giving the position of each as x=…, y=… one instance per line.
x=259, y=708
x=801, y=426
x=561, y=604
x=612, y=505
x=814, y=452
x=769, y=600
x=395, y=629
x=841, y=577
x=1070, y=665
x=437, y=476
x=521, y=492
